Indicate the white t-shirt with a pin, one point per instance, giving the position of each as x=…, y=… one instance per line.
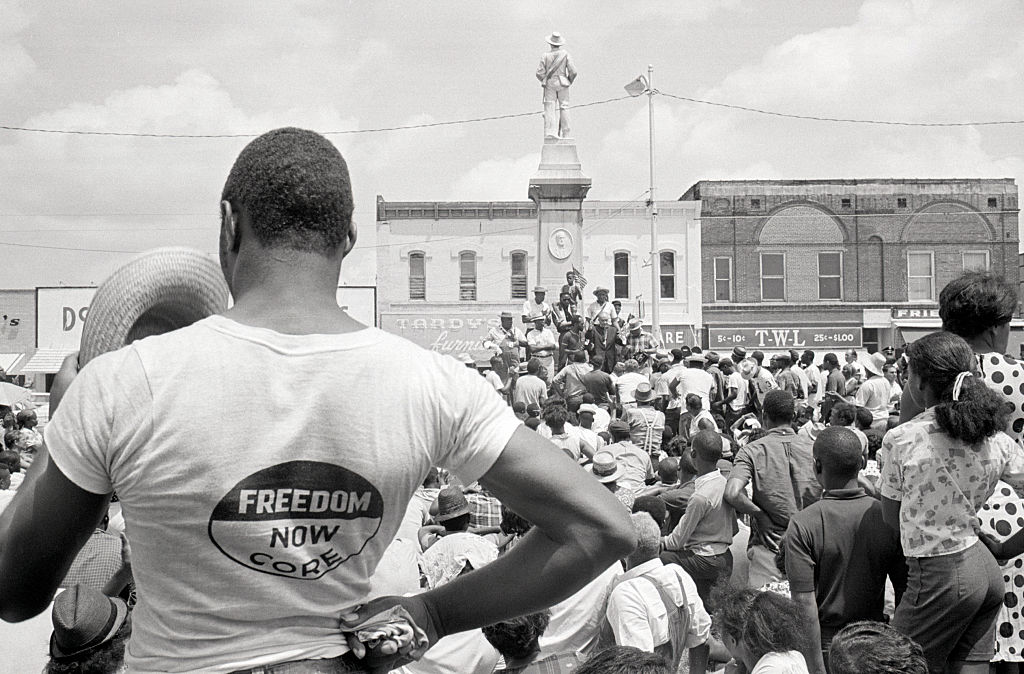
x=262, y=475
x=694, y=380
x=626, y=386
x=788, y=662
x=736, y=381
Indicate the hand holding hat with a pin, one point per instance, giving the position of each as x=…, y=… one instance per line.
x=389, y=632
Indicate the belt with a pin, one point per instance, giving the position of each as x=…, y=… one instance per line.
x=343, y=664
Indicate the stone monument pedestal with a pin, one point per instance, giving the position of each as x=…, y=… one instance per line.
x=558, y=188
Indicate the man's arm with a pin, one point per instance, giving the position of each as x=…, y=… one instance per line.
x=807, y=603
x=580, y=529
x=695, y=511
x=41, y=532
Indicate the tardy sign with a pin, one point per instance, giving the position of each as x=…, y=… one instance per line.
x=844, y=337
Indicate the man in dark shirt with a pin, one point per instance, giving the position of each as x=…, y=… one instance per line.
x=598, y=382
x=779, y=469
x=839, y=550
x=835, y=384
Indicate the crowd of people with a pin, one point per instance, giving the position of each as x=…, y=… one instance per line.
x=588, y=502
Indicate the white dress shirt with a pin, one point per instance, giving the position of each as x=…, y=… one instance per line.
x=639, y=618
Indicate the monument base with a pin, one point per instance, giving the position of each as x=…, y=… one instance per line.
x=558, y=188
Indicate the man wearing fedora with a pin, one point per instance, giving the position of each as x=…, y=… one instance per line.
x=255, y=547
x=508, y=340
x=556, y=73
x=646, y=424
x=537, y=307
x=639, y=345
x=605, y=467
x=875, y=393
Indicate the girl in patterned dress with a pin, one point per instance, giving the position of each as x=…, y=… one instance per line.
x=939, y=469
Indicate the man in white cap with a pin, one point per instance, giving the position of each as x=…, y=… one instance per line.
x=556, y=73
x=537, y=306
x=508, y=341
x=875, y=393
x=260, y=553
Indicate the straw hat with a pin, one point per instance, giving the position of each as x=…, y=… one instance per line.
x=875, y=364
x=162, y=290
x=451, y=503
x=605, y=467
x=643, y=392
x=83, y=619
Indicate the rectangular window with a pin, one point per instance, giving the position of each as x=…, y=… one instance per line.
x=667, y=274
x=993, y=202
x=845, y=203
x=975, y=260
x=920, y=276
x=723, y=279
x=518, y=276
x=467, y=276
x=830, y=276
x=417, y=277
x=621, y=275
x=773, y=277
x=901, y=202
x=755, y=203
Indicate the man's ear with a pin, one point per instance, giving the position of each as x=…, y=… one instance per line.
x=229, y=230
x=350, y=239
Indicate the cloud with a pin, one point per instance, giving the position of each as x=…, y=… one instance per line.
x=15, y=63
x=501, y=179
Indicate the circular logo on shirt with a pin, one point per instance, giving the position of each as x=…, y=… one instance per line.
x=298, y=519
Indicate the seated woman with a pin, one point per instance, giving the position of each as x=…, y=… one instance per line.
x=763, y=631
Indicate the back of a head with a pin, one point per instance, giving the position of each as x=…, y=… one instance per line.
x=967, y=409
x=631, y=365
x=555, y=416
x=648, y=539
x=12, y=439
x=11, y=460
x=975, y=302
x=843, y=414
x=830, y=359
x=868, y=647
x=732, y=605
x=864, y=418
x=533, y=366
x=433, y=478
x=758, y=356
x=707, y=446
x=839, y=451
x=624, y=660
x=694, y=402
x=519, y=407
x=294, y=187
x=668, y=469
x=517, y=637
x=533, y=423
x=774, y=624
x=580, y=357
x=779, y=407
x=653, y=506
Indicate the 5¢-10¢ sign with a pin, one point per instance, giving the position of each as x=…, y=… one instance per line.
x=843, y=337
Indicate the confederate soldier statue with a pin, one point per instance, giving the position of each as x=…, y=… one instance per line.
x=556, y=73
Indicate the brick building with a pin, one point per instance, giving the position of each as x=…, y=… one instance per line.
x=835, y=264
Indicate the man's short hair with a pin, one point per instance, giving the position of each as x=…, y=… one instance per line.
x=693, y=400
x=868, y=647
x=779, y=406
x=758, y=356
x=555, y=415
x=533, y=423
x=653, y=506
x=839, y=451
x=668, y=469
x=519, y=407
x=11, y=460
x=597, y=360
x=294, y=187
x=579, y=357
x=843, y=414
x=517, y=637
x=624, y=660
x=864, y=418
x=648, y=538
x=707, y=446
x=830, y=359
x=533, y=366
x=12, y=439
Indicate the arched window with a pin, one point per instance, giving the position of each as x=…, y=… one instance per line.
x=467, y=275
x=667, y=274
x=518, y=261
x=417, y=276
x=621, y=275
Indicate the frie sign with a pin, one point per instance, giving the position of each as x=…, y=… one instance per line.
x=844, y=337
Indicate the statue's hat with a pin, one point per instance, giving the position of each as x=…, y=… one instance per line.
x=556, y=39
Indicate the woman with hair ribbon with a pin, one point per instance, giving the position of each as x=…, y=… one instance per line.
x=938, y=469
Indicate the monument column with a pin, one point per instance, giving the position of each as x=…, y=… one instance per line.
x=558, y=189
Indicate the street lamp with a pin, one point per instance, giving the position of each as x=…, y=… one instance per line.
x=644, y=85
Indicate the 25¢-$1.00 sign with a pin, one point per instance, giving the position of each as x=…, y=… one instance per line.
x=786, y=338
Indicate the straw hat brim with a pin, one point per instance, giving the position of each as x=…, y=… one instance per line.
x=162, y=290
x=619, y=471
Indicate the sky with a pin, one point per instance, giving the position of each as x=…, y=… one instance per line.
x=74, y=207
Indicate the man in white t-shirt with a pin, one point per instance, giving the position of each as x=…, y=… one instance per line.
x=625, y=385
x=694, y=379
x=255, y=547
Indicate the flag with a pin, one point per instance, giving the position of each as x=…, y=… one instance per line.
x=579, y=278
x=637, y=86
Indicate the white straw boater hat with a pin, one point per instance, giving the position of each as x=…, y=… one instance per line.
x=162, y=290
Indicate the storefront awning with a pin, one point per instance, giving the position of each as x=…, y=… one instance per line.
x=46, y=361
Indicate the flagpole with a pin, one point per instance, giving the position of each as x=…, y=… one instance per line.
x=655, y=254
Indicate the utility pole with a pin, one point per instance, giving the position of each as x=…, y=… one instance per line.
x=655, y=254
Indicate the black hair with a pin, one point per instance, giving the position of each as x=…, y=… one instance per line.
x=756, y=435
x=864, y=418
x=517, y=637
x=294, y=186
x=758, y=356
x=707, y=446
x=675, y=446
x=11, y=459
x=831, y=359
x=764, y=622
x=868, y=647
x=555, y=415
x=11, y=438
x=779, y=406
x=839, y=451
x=653, y=506
x=533, y=366
x=533, y=423
x=625, y=660
x=843, y=414
x=937, y=359
x=512, y=523
x=668, y=469
x=693, y=400
x=975, y=302
x=580, y=357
